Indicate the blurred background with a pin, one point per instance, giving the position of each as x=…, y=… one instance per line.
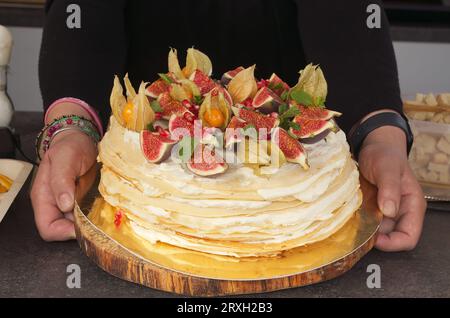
x=420, y=31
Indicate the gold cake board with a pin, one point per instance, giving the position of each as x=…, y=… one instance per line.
x=177, y=270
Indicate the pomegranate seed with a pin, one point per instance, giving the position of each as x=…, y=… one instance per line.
x=189, y=117
x=248, y=102
x=158, y=116
x=186, y=103
x=118, y=218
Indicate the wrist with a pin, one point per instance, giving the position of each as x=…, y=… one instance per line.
x=389, y=136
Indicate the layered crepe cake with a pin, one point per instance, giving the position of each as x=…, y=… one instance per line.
x=299, y=189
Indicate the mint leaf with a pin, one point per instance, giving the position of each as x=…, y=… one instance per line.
x=198, y=99
x=165, y=78
x=150, y=127
x=282, y=109
x=284, y=96
x=294, y=126
x=156, y=107
x=302, y=97
x=275, y=86
x=320, y=101
x=290, y=113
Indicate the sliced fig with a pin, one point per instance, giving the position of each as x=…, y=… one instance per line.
x=203, y=82
x=316, y=112
x=228, y=76
x=291, y=148
x=205, y=162
x=277, y=84
x=157, y=88
x=233, y=132
x=258, y=120
x=310, y=128
x=180, y=126
x=156, y=147
x=266, y=101
x=170, y=106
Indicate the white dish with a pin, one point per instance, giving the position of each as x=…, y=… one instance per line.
x=18, y=171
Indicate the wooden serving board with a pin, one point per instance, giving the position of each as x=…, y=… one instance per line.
x=121, y=262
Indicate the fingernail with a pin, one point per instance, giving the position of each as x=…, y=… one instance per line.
x=389, y=208
x=65, y=201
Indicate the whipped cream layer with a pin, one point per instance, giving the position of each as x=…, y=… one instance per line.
x=240, y=213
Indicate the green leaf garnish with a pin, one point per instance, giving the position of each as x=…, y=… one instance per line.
x=289, y=113
x=156, y=107
x=150, y=127
x=284, y=96
x=198, y=99
x=165, y=78
x=294, y=125
x=302, y=97
x=283, y=108
x=320, y=101
x=276, y=86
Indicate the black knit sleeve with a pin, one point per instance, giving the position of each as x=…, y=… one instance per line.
x=81, y=62
x=358, y=62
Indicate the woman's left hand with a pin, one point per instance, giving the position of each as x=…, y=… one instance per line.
x=383, y=162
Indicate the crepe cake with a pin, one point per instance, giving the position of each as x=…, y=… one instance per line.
x=238, y=167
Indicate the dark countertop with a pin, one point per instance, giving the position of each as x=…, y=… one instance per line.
x=30, y=267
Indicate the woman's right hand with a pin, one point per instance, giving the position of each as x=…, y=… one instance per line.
x=71, y=154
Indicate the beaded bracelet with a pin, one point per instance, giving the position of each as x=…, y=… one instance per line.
x=61, y=124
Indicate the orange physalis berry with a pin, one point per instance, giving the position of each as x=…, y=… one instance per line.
x=118, y=218
x=127, y=112
x=214, y=118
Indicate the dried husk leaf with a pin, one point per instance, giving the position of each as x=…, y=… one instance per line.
x=131, y=93
x=197, y=60
x=178, y=92
x=205, y=107
x=143, y=114
x=225, y=108
x=174, y=65
x=190, y=86
x=322, y=86
x=117, y=101
x=215, y=102
x=243, y=85
x=312, y=81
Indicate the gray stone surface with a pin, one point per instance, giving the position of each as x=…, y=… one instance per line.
x=30, y=267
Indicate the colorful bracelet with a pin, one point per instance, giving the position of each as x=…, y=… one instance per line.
x=80, y=103
x=64, y=123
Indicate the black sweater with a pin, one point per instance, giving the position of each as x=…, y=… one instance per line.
x=282, y=36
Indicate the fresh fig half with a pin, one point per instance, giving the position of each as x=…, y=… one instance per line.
x=205, y=162
x=157, y=88
x=277, y=84
x=316, y=112
x=266, y=101
x=203, y=82
x=291, y=148
x=180, y=126
x=310, y=128
x=156, y=147
x=228, y=76
x=233, y=132
x=170, y=106
x=258, y=120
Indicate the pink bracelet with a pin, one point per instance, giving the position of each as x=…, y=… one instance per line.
x=83, y=105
